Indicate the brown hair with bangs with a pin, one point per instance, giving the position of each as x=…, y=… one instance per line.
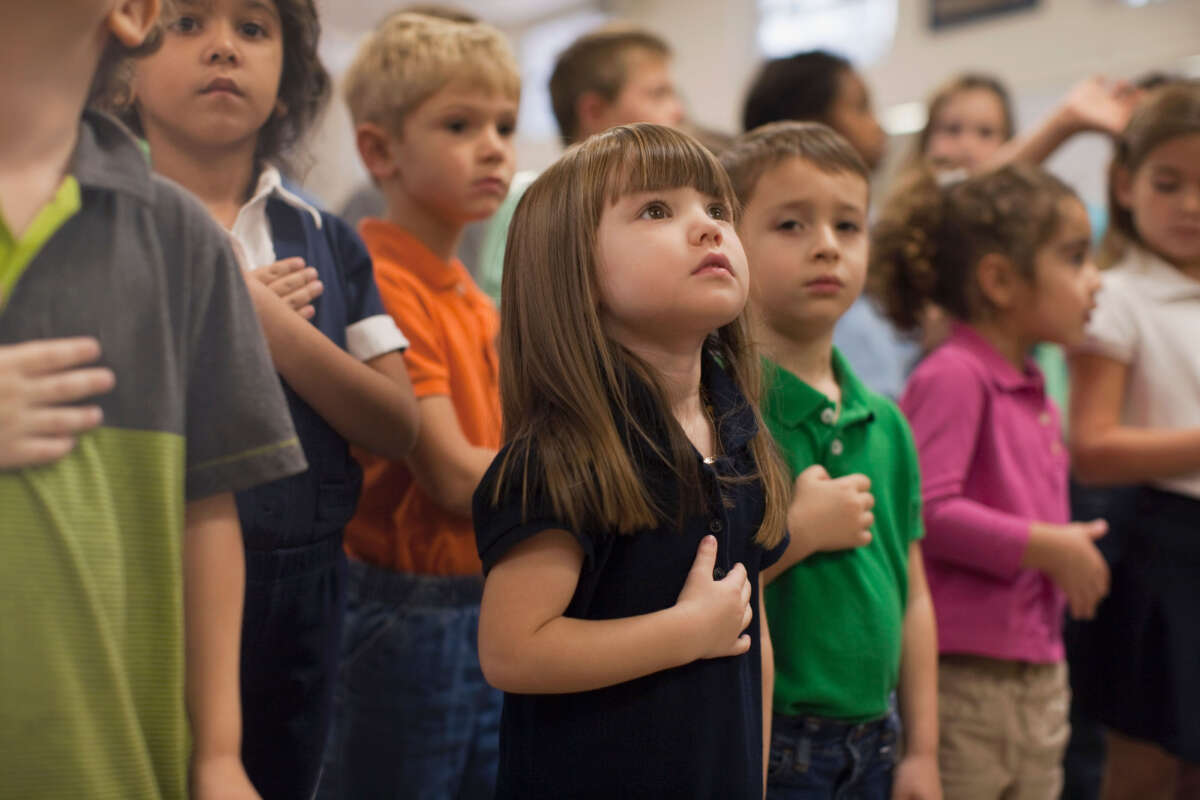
x=1167, y=112
x=753, y=153
x=564, y=384
x=965, y=82
x=929, y=239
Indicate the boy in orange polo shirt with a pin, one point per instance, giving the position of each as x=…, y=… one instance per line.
x=434, y=105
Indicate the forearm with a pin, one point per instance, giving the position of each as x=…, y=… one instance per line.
x=214, y=584
x=797, y=550
x=575, y=655
x=968, y=533
x=918, y=676
x=451, y=482
x=366, y=407
x=1123, y=455
x=768, y=685
x=1039, y=144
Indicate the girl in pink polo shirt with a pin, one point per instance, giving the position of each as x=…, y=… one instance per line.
x=1136, y=420
x=1006, y=254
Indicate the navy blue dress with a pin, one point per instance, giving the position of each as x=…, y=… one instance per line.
x=690, y=732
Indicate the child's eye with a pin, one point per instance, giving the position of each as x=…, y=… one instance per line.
x=253, y=30
x=506, y=129
x=789, y=225
x=718, y=211
x=1165, y=187
x=456, y=125
x=185, y=24
x=655, y=210
x=849, y=227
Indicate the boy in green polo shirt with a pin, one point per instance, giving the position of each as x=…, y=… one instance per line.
x=848, y=607
x=121, y=571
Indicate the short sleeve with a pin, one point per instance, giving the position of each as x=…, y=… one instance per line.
x=1112, y=330
x=775, y=553
x=370, y=332
x=521, y=509
x=409, y=304
x=238, y=428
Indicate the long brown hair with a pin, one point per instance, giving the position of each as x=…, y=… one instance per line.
x=564, y=385
x=1171, y=110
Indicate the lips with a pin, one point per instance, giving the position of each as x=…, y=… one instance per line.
x=714, y=261
x=226, y=85
x=492, y=185
x=827, y=283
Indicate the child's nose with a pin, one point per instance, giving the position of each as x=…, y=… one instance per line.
x=221, y=46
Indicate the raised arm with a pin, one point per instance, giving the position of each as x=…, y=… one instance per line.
x=527, y=646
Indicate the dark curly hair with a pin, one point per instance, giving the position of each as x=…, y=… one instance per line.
x=930, y=238
x=304, y=85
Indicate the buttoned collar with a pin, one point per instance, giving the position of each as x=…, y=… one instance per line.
x=389, y=242
x=997, y=368
x=107, y=157
x=270, y=185
x=795, y=403
x=1159, y=280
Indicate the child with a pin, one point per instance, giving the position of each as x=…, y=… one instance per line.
x=234, y=85
x=122, y=561
x=611, y=76
x=434, y=104
x=1006, y=254
x=1135, y=418
x=971, y=124
x=819, y=87
x=623, y=527
x=854, y=623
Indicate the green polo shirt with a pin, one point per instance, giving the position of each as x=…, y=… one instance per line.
x=91, y=590
x=836, y=618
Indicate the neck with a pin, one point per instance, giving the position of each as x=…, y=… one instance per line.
x=808, y=357
x=44, y=89
x=1014, y=348
x=678, y=369
x=221, y=177
x=440, y=235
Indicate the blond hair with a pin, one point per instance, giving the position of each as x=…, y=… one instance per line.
x=567, y=390
x=410, y=57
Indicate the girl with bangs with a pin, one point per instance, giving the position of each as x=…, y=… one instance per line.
x=624, y=525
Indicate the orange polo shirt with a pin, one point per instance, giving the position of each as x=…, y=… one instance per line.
x=451, y=327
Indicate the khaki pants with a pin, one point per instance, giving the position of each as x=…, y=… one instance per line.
x=1004, y=728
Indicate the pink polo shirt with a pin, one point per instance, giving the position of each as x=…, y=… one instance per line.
x=992, y=463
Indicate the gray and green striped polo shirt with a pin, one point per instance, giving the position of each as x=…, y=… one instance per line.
x=91, y=602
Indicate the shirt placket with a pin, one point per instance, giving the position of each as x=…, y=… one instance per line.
x=717, y=515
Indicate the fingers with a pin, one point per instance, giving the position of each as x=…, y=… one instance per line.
x=706, y=557
x=32, y=452
x=72, y=386
x=60, y=422
x=299, y=298
x=857, y=481
x=293, y=282
x=1096, y=528
x=815, y=472
x=51, y=355
x=742, y=645
x=273, y=272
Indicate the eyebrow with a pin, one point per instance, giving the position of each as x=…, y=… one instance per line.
x=804, y=205
x=262, y=5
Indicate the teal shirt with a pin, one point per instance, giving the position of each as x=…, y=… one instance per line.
x=837, y=618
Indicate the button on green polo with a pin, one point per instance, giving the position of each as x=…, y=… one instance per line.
x=836, y=618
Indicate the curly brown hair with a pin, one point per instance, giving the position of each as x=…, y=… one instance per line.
x=930, y=238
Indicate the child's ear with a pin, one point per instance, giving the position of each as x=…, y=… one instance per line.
x=998, y=280
x=1122, y=182
x=131, y=21
x=591, y=110
x=375, y=149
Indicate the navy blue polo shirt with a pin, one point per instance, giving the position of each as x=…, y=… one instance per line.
x=693, y=731
x=316, y=504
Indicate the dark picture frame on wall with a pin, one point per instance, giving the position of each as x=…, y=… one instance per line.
x=945, y=13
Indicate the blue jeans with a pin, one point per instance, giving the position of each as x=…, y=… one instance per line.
x=414, y=717
x=821, y=759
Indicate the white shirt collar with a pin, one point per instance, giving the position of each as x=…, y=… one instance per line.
x=1161, y=280
x=251, y=231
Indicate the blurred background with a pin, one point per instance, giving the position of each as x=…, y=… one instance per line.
x=1039, y=48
